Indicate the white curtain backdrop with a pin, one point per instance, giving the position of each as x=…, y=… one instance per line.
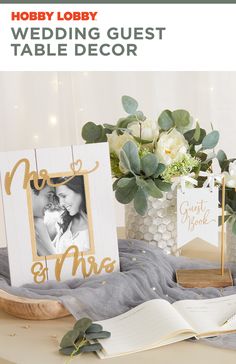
x=46, y=109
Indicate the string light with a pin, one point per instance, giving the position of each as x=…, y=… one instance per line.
x=53, y=120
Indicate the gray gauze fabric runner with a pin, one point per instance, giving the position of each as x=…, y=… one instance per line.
x=146, y=273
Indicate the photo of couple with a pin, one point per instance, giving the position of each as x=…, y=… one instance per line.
x=60, y=216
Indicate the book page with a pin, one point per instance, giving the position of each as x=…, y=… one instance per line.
x=209, y=315
x=144, y=327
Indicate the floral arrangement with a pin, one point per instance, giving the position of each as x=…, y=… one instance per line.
x=147, y=156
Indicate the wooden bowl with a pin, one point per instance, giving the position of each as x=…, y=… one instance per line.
x=31, y=309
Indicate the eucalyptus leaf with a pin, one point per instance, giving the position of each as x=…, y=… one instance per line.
x=130, y=105
x=103, y=137
x=131, y=151
x=140, y=202
x=192, y=150
x=149, y=164
x=165, y=120
x=91, y=132
x=202, y=136
x=76, y=341
x=88, y=348
x=126, y=194
x=140, y=115
x=124, y=122
x=211, y=140
x=94, y=328
x=197, y=132
x=124, y=160
x=225, y=165
x=68, y=351
x=69, y=338
x=202, y=156
x=98, y=335
x=82, y=325
x=221, y=156
x=162, y=185
x=160, y=169
x=107, y=131
x=110, y=126
x=189, y=136
x=181, y=118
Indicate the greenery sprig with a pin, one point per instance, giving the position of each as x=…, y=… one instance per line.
x=77, y=340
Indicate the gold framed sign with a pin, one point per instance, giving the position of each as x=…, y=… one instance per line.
x=58, y=213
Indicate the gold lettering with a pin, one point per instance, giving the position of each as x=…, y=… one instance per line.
x=39, y=272
x=42, y=175
x=60, y=261
x=88, y=267
x=109, y=267
x=27, y=175
x=93, y=266
x=195, y=215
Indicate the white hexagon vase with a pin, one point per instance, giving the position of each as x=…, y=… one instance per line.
x=158, y=226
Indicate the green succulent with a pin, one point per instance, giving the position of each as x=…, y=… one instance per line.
x=143, y=178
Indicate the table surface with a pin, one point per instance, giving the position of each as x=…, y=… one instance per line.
x=27, y=342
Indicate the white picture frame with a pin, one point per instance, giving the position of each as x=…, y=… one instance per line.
x=85, y=165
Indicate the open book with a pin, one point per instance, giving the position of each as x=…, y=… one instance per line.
x=157, y=322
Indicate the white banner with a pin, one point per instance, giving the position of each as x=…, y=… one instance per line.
x=197, y=215
x=130, y=37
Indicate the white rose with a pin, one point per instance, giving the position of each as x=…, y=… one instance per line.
x=171, y=147
x=149, y=129
x=116, y=141
x=230, y=177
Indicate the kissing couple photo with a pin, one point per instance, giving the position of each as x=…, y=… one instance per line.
x=60, y=216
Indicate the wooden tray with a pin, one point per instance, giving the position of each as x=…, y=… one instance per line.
x=31, y=309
